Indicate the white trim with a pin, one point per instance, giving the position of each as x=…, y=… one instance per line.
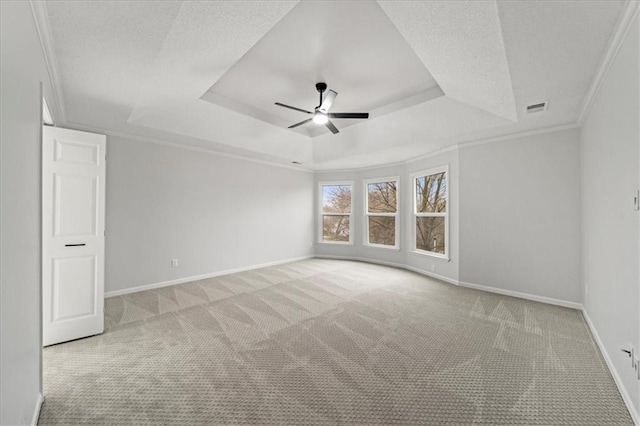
x=519, y=135
x=430, y=253
x=361, y=169
x=616, y=377
x=458, y=146
x=520, y=295
x=432, y=275
x=47, y=118
x=339, y=243
x=321, y=214
x=396, y=215
x=211, y=151
x=453, y=281
x=391, y=264
x=433, y=154
x=615, y=43
x=360, y=259
x=39, y=11
x=36, y=412
x=201, y=277
x=414, y=213
x=381, y=246
x=40, y=273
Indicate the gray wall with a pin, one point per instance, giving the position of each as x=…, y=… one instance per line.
x=22, y=70
x=610, y=176
x=520, y=215
x=153, y=187
x=213, y=213
x=514, y=216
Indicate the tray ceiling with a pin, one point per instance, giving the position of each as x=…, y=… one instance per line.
x=431, y=73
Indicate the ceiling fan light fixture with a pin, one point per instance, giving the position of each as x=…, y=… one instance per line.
x=320, y=118
x=321, y=114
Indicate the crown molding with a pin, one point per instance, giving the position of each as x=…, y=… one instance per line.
x=360, y=169
x=519, y=135
x=93, y=129
x=615, y=42
x=459, y=146
x=40, y=16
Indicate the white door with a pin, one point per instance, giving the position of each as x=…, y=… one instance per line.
x=73, y=196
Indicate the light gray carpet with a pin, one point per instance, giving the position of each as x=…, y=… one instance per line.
x=330, y=342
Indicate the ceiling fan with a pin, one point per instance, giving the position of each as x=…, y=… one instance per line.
x=321, y=114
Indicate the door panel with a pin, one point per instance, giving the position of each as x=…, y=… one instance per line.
x=75, y=203
x=74, y=152
x=73, y=208
x=72, y=297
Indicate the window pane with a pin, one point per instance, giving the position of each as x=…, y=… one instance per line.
x=430, y=234
x=336, y=198
x=381, y=197
x=431, y=193
x=335, y=228
x=382, y=230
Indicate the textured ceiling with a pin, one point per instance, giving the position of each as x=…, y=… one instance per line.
x=463, y=48
x=432, y=73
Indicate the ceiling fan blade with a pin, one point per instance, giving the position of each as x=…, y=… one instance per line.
x=294, y=108
x=328, y=100
x=348, y=114
x=331, y=127
x=300, y=123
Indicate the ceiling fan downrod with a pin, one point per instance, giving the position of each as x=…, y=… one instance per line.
x=321, y=87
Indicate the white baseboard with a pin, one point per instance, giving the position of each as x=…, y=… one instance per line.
x=616, y=377
x=392, y=264
x=36, y=411
x=527, y=296
x=361, y=259
x=200, y=277
x=432, y=275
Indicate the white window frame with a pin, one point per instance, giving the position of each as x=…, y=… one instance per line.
x=366, y=183
x=416, y=214
x=321, y=214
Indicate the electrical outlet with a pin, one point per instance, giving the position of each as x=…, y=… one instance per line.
x=174, y=263
x=633, y=356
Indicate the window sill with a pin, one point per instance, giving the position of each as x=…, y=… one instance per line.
x=337, y=243
x=436, y=256
x=381, y=246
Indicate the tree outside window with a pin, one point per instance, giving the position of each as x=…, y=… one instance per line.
x=430, y=202
x=336, y=212
x=381, y=212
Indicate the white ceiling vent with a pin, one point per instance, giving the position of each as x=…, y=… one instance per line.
x=542, y=106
